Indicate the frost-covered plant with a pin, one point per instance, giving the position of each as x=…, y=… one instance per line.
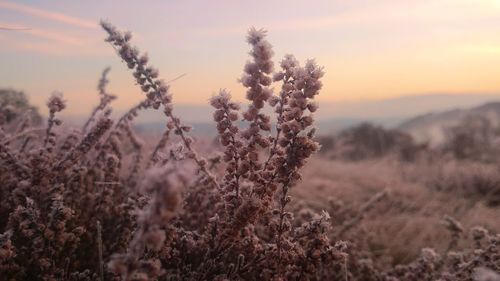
x=101, y=204
x=258, y=162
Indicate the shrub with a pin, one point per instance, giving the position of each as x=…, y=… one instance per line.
x=474, y=138
x=367, y=141
x=96, y=204
x=16, y=112
x=67, y=202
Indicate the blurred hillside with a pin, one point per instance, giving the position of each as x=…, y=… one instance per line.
x=463, y=134
x=426, y=118
x=433, y=127
x=334, y=117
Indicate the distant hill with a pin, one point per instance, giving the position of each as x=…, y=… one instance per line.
x=391, y=112
x=331, y=116
x=402, y=107
x=431, y=127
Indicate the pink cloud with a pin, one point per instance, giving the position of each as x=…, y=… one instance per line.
x=51, y=15
x=47, y=34
x=51, y=43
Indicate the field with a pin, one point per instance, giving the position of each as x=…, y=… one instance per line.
x=269, y=199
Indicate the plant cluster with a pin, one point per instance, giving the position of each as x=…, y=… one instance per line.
x=96, y=204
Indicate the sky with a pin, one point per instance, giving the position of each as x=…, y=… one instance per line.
x=370, y=49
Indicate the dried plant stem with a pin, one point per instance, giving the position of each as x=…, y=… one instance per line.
x=137, y=158
x=19, y=169
x=22, y=134
x=25, y=144
x=49, y=128
x=346, y=276
x=159, y=146
x=105, y=98
x=279, y=122
x=156, y=90
x=99, y=249
x=455, y=229
x=194, y=155
x=85, y=144
x=362, y=212
x=283, y=203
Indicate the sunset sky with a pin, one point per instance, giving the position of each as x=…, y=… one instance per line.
x=370, y=49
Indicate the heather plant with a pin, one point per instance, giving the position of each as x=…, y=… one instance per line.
x=62, y=191
x=99, y=203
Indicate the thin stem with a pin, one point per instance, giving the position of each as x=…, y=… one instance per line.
x=21, y=134
x=159, y=146
x=99, y=249
x=49, y=128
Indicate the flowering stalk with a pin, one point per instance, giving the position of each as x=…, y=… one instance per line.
x=55, y=104
x=225, y=115
x=293, y=107
x=137, y=158
x=90, y=139
x=162, y=143
x=104, y=100
x=11, y=160
x=256, y=78
x=156, y=90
